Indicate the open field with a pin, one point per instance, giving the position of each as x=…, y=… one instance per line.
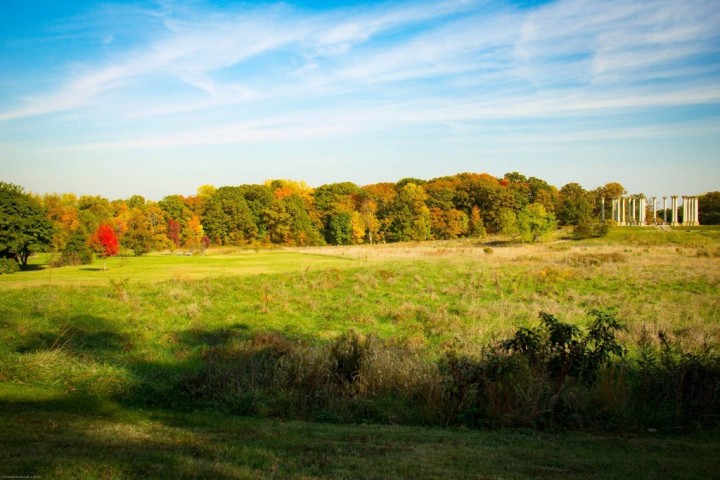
x=88, y=357
x=160, y=267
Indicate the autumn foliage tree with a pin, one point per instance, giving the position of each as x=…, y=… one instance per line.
x=292, y=213
x=105, y=242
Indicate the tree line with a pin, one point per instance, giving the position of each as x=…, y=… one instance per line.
x=287, y=212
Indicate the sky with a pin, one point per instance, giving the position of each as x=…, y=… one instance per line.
x=160, y=97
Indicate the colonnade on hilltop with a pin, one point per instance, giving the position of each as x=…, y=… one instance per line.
x=632, y=210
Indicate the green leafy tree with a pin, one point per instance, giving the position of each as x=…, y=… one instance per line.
x=227, y=219
x=288, y=222
x=259, y=198
x=382, y=196
x=146, y=230
x=500, y=200
x=92, y=211
x=543, y=193
x=574, y=205
x=24, y=227
x=410, y=215
x=709, y=208
x=534, y=222
x=136, y=201
x=175, y=208
x=509, y=223
x=75, y=252
x=481, y=191
x=340, y=229
x=334, y=205
x=517, y=184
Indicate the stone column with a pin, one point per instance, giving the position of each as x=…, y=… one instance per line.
x=643, y=205
x=616, y=215
x=691, y=210
x=633, y=200
x=697, y=211
x=685, y=210
x=626, y=207
x=614, y=207
x=654, y=219
x=673, y=213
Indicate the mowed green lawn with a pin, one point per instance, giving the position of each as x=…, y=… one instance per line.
x=159, y=267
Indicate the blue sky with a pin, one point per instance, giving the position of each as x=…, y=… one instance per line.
x=155, y=98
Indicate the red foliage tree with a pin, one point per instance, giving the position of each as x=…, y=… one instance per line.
x=173, y=232
x=105, y=242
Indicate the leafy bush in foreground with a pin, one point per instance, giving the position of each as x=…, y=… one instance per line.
x=553, y=375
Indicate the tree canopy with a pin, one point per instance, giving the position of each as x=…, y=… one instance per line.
x=24, y=225
x=289, y=212
x=709, y=208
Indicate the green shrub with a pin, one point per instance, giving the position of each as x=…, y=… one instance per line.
x=594, y=259
x=589, y=228
x=674, y=387
x=76, y=252
x=8, y=266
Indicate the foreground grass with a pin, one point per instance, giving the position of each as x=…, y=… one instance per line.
x=46, y=439
x=91, y=361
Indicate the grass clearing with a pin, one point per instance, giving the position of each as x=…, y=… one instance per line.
x=87, y=353
x=161, y=267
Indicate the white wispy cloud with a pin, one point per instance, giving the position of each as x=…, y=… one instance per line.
x=315, y=74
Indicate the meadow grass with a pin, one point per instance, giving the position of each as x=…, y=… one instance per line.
x=167, y=266
x=88, y=353
x=50, y=441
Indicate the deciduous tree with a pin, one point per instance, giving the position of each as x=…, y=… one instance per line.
x=24, y=227
x=534, y=222
x=105, y=242
x=709, y=208
x=574, y=205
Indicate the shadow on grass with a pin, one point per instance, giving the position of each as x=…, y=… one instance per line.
x=85, y=335
x=499, y=243
x=82, y=438
x=32, y=268
x=198, y=337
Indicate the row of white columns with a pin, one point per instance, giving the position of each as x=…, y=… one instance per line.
x=690, y=211
x=632, y=210
x=629, y=210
